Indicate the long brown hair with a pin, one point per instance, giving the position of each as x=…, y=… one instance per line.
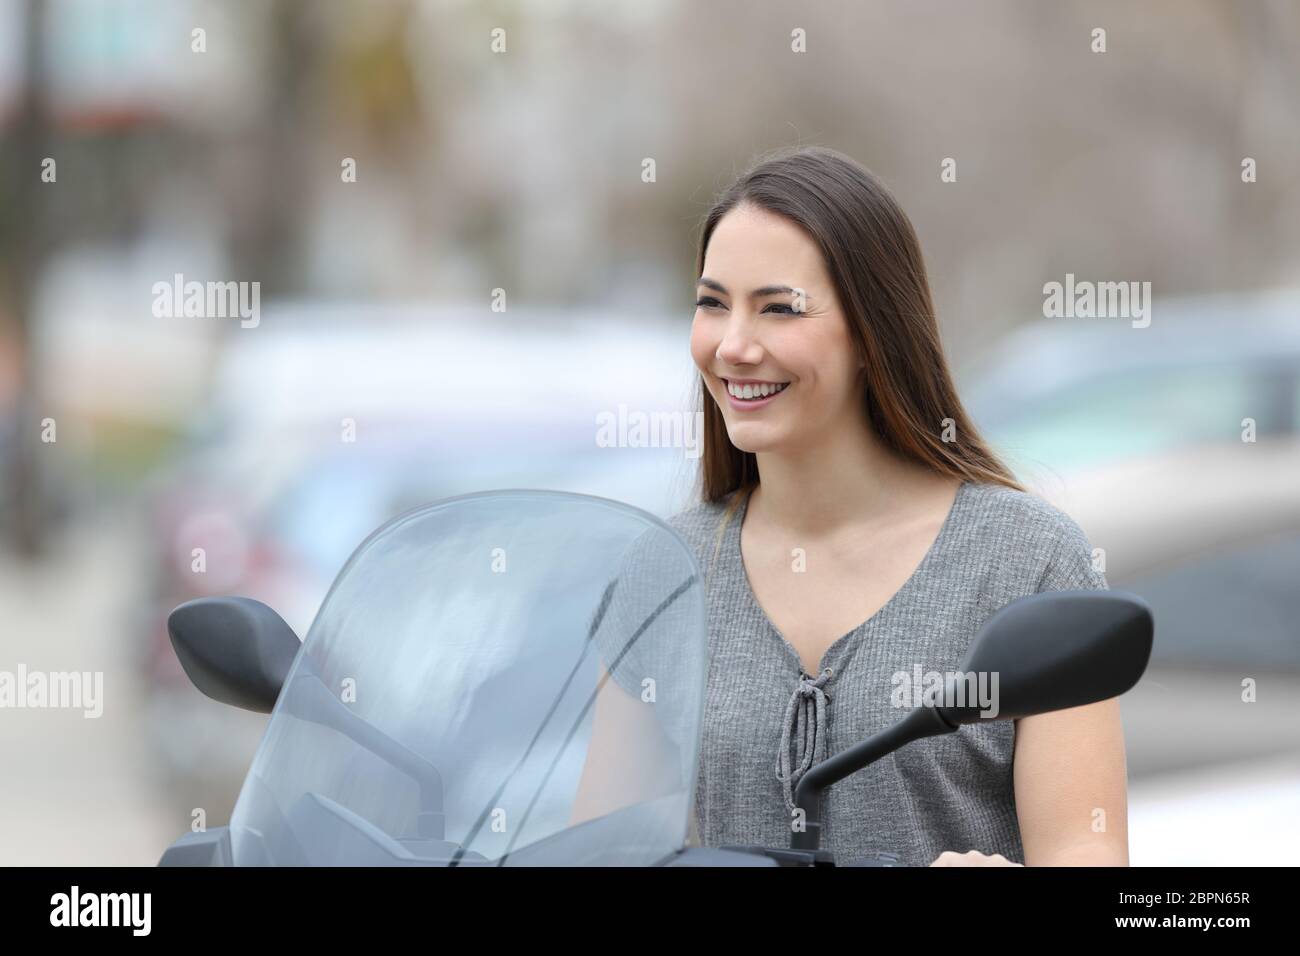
x=875, y=263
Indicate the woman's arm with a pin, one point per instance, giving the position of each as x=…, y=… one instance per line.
x=1069, y=768
x=1071, y=787
x=627, y=746
x=1071, y=791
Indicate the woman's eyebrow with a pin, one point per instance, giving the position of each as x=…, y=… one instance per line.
x=756, y=294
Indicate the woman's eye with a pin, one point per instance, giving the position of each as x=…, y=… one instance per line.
x=780, y=308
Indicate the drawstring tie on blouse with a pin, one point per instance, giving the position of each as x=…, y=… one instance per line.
x=805, y=723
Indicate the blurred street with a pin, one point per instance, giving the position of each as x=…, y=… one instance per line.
x=75, y=790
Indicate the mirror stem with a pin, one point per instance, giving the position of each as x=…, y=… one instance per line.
x=921, y=722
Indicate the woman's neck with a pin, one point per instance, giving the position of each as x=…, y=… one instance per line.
x=850, y=479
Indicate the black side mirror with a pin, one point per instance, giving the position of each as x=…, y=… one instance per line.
x=234, y=649
x=1051, y=651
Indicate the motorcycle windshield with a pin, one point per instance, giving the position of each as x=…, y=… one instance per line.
x=507, y=678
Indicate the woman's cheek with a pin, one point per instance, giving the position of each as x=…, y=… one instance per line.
x=702, y=350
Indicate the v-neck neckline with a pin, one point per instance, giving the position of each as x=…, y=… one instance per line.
x=913, y=580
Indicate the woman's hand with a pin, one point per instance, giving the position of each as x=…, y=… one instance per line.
x=972, y=858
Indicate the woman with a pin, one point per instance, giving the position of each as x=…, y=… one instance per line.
x=855, y=527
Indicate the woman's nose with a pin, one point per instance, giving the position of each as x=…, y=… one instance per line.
x=739, y=346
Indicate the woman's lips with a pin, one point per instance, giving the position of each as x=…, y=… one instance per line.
x=751, y=404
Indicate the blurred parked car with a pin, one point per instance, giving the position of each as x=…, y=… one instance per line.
x=1138, y=435
x=320, y=431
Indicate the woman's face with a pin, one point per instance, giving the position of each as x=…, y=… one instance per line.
x=749, y=337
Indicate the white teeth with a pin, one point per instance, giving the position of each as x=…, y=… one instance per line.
x=754, y=391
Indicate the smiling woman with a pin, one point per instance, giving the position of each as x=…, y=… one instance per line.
x=853, y=525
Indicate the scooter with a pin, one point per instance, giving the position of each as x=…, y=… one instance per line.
x=442, y=709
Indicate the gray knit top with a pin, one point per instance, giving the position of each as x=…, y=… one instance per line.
x=766, y=721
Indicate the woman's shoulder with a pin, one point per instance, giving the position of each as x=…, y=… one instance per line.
x=699, y=523
x=1027, y=529
x=699, y=514
x=1025, y=513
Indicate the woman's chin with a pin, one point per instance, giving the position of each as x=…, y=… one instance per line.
x=755, y=438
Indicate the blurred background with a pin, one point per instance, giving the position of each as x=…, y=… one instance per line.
x=391, y=180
